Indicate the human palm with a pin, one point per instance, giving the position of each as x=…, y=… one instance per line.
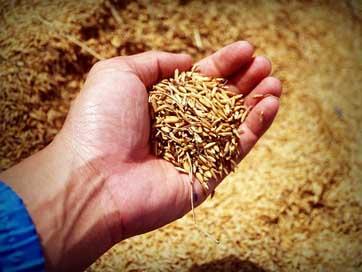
x=109, y=128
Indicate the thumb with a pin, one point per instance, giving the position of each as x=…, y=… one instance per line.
x=149, y=67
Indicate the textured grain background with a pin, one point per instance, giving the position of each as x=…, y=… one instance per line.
x=295, y=203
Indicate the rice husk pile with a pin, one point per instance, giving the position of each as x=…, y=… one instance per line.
x=195, y=121
x=294, y=203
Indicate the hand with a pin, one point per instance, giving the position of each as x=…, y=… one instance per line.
x=102, y=182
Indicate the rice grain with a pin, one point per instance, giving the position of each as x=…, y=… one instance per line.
x=193, y=118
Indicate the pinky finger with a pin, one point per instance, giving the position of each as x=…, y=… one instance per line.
x=258, y=121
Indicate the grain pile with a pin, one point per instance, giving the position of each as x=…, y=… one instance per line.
x=293, y=204
x=195, y=121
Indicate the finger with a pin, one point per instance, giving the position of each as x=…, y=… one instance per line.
x=227, y=60
x=149, y=67
x=250, y=76
x=258, y=121
x=197, y=193
x=268, y=86
x=153, y=66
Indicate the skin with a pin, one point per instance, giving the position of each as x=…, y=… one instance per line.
x=97, y=183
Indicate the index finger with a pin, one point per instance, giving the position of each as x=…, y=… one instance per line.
x=227, y=60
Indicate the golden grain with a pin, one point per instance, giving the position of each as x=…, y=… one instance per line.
x=193, y=118
x=245, y=199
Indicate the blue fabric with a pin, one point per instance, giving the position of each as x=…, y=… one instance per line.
x=20, y=249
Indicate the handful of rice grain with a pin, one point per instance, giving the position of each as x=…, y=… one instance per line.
x=195, y=120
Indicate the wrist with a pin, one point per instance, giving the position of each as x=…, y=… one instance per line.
x=64, y=198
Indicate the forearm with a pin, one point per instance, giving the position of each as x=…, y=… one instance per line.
x=65, y=202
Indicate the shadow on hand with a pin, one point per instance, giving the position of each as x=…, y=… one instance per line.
x=228, y=264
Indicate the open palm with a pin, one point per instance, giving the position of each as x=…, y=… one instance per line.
x=109, y=128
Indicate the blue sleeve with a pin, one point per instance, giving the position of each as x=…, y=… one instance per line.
x=20, y=249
